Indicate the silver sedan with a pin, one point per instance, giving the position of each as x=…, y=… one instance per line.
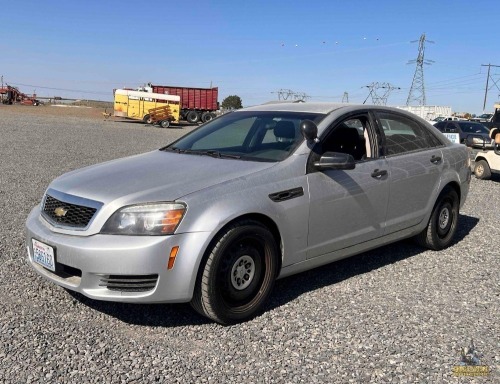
x=257, y=194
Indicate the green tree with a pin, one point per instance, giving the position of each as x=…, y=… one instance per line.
x=232, y=102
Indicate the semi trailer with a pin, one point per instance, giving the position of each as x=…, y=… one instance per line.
x=197, y=104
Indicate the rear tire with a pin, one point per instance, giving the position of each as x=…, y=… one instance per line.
x=147, y=119
x=206, y=116
x=192, y=117
x=165, y=123
x=238, y=275
x=482, y=170
x=443, y=223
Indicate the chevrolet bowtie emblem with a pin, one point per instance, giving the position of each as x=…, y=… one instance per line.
x=60, y=211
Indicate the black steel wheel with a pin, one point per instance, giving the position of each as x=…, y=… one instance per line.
x=443, y=223
x=192, y=117
x=206, y=116
x=482, y=170
x=238, y=275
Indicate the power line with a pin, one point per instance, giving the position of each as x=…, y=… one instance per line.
x=61, y=89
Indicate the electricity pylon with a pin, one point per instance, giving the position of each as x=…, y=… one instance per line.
x=377, y=98
x=345, y=98
x=417, y=90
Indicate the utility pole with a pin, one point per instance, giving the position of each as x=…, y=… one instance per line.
x=487, y=82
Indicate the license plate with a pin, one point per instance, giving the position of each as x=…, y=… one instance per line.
x=43, y=254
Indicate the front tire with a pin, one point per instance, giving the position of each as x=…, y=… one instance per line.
x=443, y=223
x=238, y=275
x=165, y=123
x=482, y=170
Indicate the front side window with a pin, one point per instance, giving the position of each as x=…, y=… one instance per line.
x=352, y=136
x=404, y=135
x=250, y=135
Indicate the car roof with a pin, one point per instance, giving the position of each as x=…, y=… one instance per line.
x=324, y=108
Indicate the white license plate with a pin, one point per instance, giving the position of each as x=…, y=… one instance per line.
x=43, y=254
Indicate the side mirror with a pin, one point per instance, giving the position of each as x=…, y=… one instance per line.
x=309, y=130
x=335, y=160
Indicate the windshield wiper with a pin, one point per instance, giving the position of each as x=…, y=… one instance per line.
x=210, y=152
x=218, y=154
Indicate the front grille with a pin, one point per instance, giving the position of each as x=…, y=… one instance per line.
x=129, y=283
x=67, y=214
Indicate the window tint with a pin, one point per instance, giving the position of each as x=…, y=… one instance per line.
x=350, y=137
x=440, y=125
x=470, y=127
x=233, y=136
x=405, y=135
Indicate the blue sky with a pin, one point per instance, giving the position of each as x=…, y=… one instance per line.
x=85, y=49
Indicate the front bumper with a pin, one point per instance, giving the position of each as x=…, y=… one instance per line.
x=85, y=263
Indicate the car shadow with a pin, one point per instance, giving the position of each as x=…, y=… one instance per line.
x=290, y=288
x=286, y=289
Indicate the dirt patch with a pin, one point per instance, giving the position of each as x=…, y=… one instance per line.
x=58, y=110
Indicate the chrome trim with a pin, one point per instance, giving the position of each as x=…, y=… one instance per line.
x=70, y=199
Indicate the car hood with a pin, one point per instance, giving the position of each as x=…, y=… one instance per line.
x=153, y=176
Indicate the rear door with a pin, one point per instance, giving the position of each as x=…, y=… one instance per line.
x=415, y=162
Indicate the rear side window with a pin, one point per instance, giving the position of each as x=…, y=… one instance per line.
x=403, y=135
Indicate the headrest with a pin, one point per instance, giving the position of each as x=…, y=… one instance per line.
x=346, y=133
x=285, y=129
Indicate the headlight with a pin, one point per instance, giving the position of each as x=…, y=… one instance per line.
x=145, y=219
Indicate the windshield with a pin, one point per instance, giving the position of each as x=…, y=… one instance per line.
x=473, y=128
x=249, y=135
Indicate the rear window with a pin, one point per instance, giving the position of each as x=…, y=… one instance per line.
x=469, y=127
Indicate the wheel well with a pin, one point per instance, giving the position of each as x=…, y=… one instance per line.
x=454, y=185
x=480, y=158
x=265, y=221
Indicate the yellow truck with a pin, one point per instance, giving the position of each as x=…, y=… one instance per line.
x=144, y=106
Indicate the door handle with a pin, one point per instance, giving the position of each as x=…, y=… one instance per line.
x=378, y=173
x=435, y=159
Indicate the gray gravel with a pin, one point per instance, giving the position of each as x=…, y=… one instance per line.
x=396, y=314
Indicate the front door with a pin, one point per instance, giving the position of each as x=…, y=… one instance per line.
x=348, y=207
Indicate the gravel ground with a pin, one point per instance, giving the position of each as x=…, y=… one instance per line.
x=396, y=314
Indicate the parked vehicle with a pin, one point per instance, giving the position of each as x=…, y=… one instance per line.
x=12, y=95
x=197, y=104
x=486, y=158
x=464, y=128
x=254, y=195
x=137, y=105
x=484, y=118
x=444, y=118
